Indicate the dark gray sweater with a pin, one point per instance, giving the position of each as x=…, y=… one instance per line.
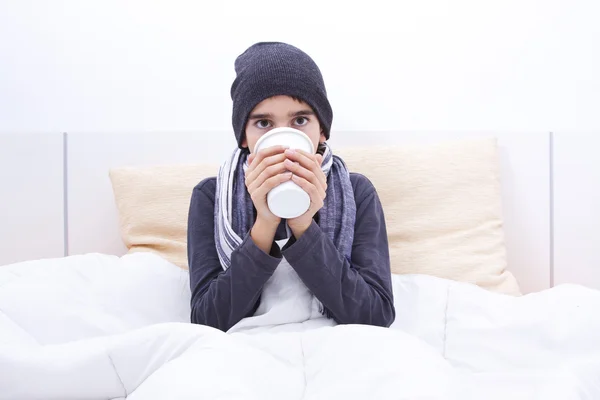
x=356, y=292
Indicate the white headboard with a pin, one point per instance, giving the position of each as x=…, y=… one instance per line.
x=69, y=175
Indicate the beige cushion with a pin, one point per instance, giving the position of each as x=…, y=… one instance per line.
x=442, y=206
x=441, y=203
x=153, y=204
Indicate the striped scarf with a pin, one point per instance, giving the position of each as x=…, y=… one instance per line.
x=234, y=210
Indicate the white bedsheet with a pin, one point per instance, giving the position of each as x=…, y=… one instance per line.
x=103, y=327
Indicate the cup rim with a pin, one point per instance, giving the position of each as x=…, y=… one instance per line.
x=280, y=130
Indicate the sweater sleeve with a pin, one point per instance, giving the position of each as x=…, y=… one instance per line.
x=357, y=291
x=222, y=298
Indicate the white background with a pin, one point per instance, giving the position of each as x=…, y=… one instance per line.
x=76, y=65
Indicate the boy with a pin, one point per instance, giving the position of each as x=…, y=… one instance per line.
x=333, y=262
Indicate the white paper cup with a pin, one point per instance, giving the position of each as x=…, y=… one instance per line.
x=287, y=200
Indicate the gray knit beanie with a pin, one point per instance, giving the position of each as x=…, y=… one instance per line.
x=270, y=69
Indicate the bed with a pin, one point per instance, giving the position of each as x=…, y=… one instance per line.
x=477, y=316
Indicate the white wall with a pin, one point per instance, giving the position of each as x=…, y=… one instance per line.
x=31, y=197
x=577, y=208
x=117, y=65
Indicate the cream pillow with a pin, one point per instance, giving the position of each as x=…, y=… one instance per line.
x=441, y=202
x=153, y=204
x=442, y=206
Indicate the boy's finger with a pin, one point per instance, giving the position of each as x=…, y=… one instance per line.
x=299, y=169
x=321, y=175
x=308, y=161
x=269, y=172
x=319, y=159
x=308, y=155
x=269, y=151
x=272, y=182
x=317, y=181
x=316, y=196
x=259, y=167
x=257, y=157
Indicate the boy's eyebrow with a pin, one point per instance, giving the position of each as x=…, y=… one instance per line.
x=301, y=113
x=261, y=116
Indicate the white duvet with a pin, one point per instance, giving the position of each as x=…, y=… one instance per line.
x=103, y=327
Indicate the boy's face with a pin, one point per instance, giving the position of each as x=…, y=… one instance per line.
x=282, y=111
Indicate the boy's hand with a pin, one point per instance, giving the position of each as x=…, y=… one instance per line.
x=266, y=171
x=308, y=175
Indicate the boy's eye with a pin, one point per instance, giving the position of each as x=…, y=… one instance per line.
x=263, y=123
x=300, y=121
